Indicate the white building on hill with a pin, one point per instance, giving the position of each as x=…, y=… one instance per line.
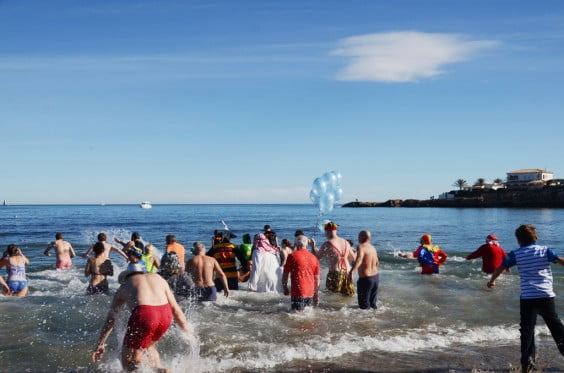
x=528, y=176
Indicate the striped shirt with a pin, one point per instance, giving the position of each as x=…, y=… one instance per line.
x=533, y=262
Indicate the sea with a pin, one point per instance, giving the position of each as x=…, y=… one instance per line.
x=450, y=322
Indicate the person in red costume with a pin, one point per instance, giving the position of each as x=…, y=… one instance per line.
x=491, y=252
x=430, y=256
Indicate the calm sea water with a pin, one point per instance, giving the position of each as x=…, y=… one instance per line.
x=449, y=322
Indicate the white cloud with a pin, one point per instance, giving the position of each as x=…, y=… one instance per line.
x=404, y=56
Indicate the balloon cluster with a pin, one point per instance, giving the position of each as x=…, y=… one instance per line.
x=326, y=190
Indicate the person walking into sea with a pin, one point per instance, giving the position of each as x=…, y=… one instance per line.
x=537, y=294
x=151, y=261
x=339, y=253
x=491, y=252
x=15, y=262
x=303, y=269
x=266, y=273
x=107, y=248
x=173, y=272
x=98, y=268
x=175, y=247
x=153, y=307
x=134, y=242
x=202, y=268
x=271, y=236
x=368, y=278
x=63, y=250
x=429, y=256
x=246, y=252
x=227, y=254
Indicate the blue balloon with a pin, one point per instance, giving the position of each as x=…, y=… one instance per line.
x=321, y=225
x=338, y=193
x=330, y=178
x=319, y=186
x=314, y=196
x=339, y=178
x=326, y=203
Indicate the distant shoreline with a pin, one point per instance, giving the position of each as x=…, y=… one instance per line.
x=546, y=197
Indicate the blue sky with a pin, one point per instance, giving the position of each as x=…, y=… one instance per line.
x=249, y=101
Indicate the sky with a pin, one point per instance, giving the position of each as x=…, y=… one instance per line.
x=176, y=101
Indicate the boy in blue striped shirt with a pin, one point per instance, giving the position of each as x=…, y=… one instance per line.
x=537, y=295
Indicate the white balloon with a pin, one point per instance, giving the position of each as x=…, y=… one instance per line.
x=330, y=178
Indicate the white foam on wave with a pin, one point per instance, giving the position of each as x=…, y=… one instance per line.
x=262, y=355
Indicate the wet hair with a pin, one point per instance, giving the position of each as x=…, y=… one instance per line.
x=98, y=249
x=247, y=238
x=267, y=227
x=526, y=234
x=171, y=238
x=58, y=236
x=102, y=237
x=135, y=236
x=11, y=250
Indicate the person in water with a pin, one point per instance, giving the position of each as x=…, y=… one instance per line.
x=172, y=245
x=15, y=262
x=537, y=294
x=491, y=252
x=227, y=255
x=107, y=248
x=63, y=251
x=266, y=273
x=173, y=272
x=271, y=236
x=153, y=307
x=368, y=278
x=134, y=242
x=339, y=253
x=303, y=269
x=285, y=251
x=245, y=252
x=202, y=268
x=98, y=269
x=429, y=256
x=151, y=261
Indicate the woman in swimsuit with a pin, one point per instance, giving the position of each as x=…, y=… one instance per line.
x=97, y=268
x=15, y=262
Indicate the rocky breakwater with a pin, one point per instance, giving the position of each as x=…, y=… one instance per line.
x=547, y=197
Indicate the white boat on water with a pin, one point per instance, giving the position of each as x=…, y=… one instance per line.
x=146, y=205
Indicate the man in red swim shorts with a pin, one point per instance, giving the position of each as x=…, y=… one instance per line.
x=153, y=307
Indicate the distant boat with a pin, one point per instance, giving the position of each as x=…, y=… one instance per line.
x=5, y=203
x=146, y=205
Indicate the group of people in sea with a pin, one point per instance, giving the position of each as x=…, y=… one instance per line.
x=151, y=286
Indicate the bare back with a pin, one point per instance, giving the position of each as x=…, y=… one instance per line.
x=368, y=258
x=201, y=268
x=63, y=249
x=93, y=269
x=338, y=252
x=144, y=289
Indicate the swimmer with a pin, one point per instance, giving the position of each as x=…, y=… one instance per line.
x=98, y=269
x=152, y=307
x=15, y=262
x=134, y=242
x=151, y=261
x=107, y=248
x=63, y=250
x=339, y=252
x=202, y=267
x=367, y=265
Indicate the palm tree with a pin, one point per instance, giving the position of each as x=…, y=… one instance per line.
x=498, y=181
x=480, y=182
x=460, y=183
